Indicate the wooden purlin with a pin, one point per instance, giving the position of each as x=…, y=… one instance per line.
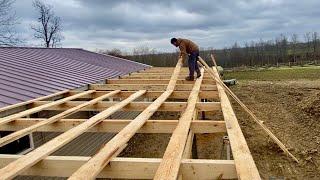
x=93, y=167
x=135, y=106
x=115, y=125
x=40, y=108
x=127, y=168
x=33, y=100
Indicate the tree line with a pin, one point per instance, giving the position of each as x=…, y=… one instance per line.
x=292, y=50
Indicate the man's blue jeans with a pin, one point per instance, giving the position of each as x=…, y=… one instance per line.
x=192, y=63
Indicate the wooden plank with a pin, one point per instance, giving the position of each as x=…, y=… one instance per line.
x=42, y=107
x=246, y=168
x=155, y=94
x=16, y=135
x=149, y=87
x=134, y=106
x=157, y=77
x=96, y=164
x=127, y=168
x=33, y=100
x=170, y=164
x=115, y=125
x=153, y=81
x=14, y=168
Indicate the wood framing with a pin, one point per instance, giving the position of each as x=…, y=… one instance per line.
x=162, y=90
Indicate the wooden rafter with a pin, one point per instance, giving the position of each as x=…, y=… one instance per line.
x=170, y=164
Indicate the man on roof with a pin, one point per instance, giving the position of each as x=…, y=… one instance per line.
x=190, y=49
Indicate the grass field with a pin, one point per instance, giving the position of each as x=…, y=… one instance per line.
x=282, y=73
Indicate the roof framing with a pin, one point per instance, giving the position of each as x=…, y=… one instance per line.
x=127, y=94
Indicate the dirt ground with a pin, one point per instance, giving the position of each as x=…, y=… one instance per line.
x=291, y=109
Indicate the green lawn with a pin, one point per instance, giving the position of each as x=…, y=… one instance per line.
x=282, y=73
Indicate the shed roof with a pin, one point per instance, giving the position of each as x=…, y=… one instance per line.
x=27, y=73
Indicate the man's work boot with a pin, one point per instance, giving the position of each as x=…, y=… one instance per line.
x=198, y=74
x=190, y=78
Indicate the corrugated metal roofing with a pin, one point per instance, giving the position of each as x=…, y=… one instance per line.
x=28, y=73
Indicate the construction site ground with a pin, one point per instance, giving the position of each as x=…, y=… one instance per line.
x=288, y=103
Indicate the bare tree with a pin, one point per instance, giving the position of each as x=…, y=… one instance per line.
x=49, y=25
x=315, y=39
x=294, y=42
x=8, y=20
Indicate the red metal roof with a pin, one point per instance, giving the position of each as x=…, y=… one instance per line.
x=27, y=73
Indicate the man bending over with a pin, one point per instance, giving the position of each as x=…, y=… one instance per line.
x=188, y=48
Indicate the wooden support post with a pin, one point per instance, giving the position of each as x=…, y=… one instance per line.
x=18, y=134
x=170, y=164
x=40, y=108
x=93, y=167
x=13, y=169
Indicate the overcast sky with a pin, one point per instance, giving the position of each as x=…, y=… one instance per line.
x=106, y=24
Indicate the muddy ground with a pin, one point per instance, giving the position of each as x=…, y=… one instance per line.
x=291, y=109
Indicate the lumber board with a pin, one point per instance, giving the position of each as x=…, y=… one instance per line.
x=33, y=100
x=115, y=125
x=134, y=106
x=154, y=81
x=245, y=165
x=170, y=163
x=149, y=87
x=14, y=168
x=154, y=94
x=158, y=77
x=16, y=135
x=42, y=107
x=127, y=168
x=96, y=164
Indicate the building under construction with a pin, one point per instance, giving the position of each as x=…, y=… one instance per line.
x=150, y=101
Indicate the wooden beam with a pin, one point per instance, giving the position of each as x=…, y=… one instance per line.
x=154, y=94
x=33, y=100
x=96, y=164
x=40, y=108
x=115, y=125
x=153, y=81
x=157, y=77
x=16, y=135
x=170, y=164
x=149, y=87
x=13, y=169
x=126, y=168
x=134, y=106
x=246, y=168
